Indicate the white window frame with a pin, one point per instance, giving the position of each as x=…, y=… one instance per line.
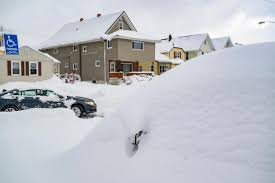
x=109, y=47
x=138, y=42
x=75, y=68
x=120, y=25
x=114, y=63
x=84, y=49
x=36, y=68
x=12, y=68
x=55, y=51
x=75, y=46
x=67, y=65
x=97, y=63
x=177, y=54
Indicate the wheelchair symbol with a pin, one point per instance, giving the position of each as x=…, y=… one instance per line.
x=10, y=42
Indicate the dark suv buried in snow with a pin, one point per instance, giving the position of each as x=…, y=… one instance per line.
x=15, y=100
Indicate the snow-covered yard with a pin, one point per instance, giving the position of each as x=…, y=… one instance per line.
x=207, y=120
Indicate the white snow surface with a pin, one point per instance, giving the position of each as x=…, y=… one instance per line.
x=209, y=120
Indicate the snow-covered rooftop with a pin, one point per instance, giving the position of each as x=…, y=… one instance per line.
x=82, y=31
x=187, y=43
x=220, y=43
x=126, y=34
x=54, y=59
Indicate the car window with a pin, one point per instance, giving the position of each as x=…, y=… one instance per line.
x=29, y=93
x=49, y=93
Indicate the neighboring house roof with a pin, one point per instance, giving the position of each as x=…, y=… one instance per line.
x=187, y=43
x=162, y=58
x=221, y=42
x=192, y=42
x=27, y=53
x=86, y=31
x=132, y=35
x=53, y=59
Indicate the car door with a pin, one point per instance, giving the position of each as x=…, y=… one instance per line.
x=53, y=100
x=29, y=99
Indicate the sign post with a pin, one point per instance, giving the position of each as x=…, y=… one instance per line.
x=11, y=44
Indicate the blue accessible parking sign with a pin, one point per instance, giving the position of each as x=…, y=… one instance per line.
x=11, y=44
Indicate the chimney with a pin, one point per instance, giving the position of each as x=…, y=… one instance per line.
x=170, y=37
x=98, y=15
x=81, y=19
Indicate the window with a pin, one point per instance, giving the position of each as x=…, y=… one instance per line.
x=127, y=67
x=137, y=45
x=75, y=48
x=202, y=52
x=29, y=93
x=109, y=44
x=15, y=68
x=187, y=55
x=161, y=68
x=97, y=63
x=120, y=24
x=152, y=68
x=84, y=49
x=205, y=42
x=140, y=68
x=66, y=65
x=33, y=68
x=75, y=66
x=112, y=67
x=55, y=51
x=177, y=54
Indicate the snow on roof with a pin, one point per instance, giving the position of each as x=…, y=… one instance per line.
x=126, y=34
x=187, y=43
x=220, y=42
x=84, y=31
x=54, y=59
x=162, y=58
x=191, y=42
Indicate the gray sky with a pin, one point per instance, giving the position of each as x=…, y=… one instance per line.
x=36, y=20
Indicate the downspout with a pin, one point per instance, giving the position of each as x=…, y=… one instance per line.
x=104, y=62
x=80, y=60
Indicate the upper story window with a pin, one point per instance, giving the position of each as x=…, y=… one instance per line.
x=120, y=24
x=55, y=51
x=66, y=65
x=75, y=48
x=33, y=68
x=15, y=67
x=137, y=45
x=109, y=44
x=84, y=49
x=177, y=54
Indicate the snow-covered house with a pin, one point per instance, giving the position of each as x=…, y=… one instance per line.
x=102, y=47
x=29, y=65
x=167, y=56
x=222, y=42
x=192, y=45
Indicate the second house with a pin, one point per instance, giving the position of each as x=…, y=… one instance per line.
x=101, y=48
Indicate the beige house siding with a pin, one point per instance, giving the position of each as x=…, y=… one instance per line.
x=47, y=72
x=148, y=65
x=173, y=50
x=125, y=51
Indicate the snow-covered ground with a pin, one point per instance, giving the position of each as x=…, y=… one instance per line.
x=207, y=120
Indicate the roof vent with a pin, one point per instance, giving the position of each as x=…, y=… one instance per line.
x=81, y=19
x=98, y=15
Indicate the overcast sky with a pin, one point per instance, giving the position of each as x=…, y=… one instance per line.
x=36, y=20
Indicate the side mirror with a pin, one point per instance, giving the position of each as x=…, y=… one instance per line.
x=61, y=97
x=4, y=90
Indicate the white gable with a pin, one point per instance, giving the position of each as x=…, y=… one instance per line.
x=221, y=42
x=87, y=30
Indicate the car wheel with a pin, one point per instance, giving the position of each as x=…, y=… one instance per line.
x=78, y=110
x=10, y=109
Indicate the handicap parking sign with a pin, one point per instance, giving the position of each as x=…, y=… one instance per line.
x=11, y=44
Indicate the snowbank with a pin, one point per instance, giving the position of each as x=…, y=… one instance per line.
x=209, y=120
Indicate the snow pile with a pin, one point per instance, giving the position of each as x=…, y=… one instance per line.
x=210, y=120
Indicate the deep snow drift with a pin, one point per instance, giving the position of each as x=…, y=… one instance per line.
x=208, y=120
